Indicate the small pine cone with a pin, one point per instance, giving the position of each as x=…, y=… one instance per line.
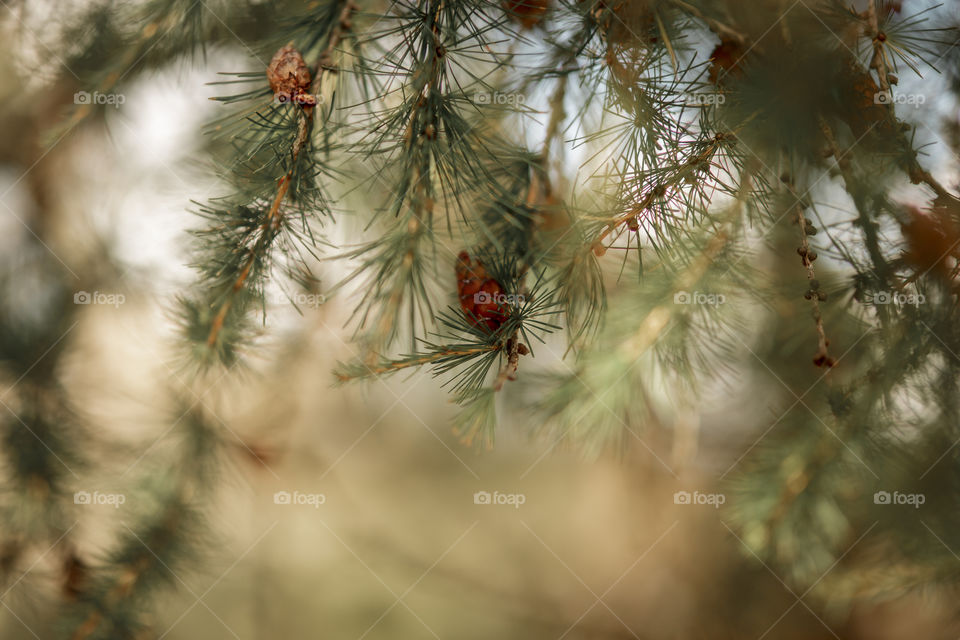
x=481, y=297
x=288, y=74
x=527, y=12
x=726, y=60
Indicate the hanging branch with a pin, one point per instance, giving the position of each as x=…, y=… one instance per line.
x=814, y=294
x=867, y=226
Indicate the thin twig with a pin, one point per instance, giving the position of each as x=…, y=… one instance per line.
x=716, y=26
x=659, y=190
x=398, y=365
x=509, y=369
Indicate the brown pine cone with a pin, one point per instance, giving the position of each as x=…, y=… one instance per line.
x=289, y=77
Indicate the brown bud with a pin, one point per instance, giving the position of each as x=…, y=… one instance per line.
x=824, y=360
x=522, y=349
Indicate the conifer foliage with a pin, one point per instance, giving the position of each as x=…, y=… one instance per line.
x=586, y=213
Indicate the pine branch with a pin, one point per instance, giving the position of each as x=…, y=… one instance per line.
x=271, y=222
x=243, y=257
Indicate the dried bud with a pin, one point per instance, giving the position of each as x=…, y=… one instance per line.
x=824, y=360
x=522, y=349
x=633, y=225
x=288, y=74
